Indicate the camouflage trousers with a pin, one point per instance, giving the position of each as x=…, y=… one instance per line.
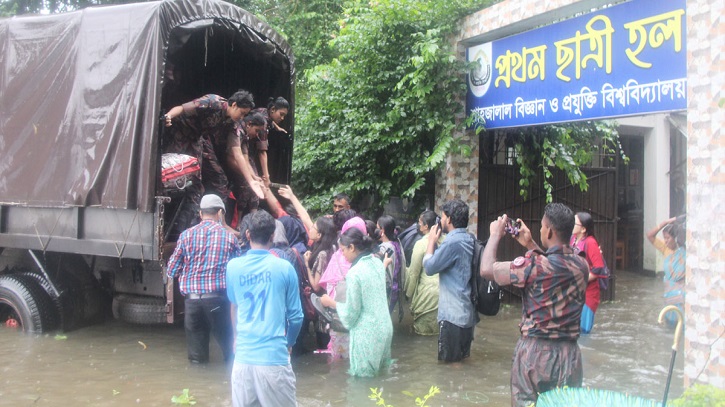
x=540, y=365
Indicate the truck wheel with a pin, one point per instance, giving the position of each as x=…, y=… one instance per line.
x=24, y=304
x=137, y=309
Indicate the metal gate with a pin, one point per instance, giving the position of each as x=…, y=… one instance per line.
x=499, y=194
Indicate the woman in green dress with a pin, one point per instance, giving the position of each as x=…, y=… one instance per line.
x=421, y=288
x=365, y=310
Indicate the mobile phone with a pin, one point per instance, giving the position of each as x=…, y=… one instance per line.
x=512, y=227
x=389, y=252
x=438, y=222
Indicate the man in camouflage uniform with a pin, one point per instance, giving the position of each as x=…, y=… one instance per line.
x=553, y=285
x=209, y=128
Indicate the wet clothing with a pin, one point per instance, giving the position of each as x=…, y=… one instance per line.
x=199, y=261
x=422, y=289
x=203, y=316
x=454, y=342
x=394, y=275
x=593, y=254
x=265, y=291
x=590, y=247
x=540, y=365
x=560, y=272
x=259, y=386
x=674, y=267
x=201, y=256
x=366, y=315
x=553, y=289
x=452, y=262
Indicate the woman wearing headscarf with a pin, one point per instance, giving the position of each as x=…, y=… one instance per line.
x=364, y=311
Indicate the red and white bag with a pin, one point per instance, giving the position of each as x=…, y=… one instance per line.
x=179, y=171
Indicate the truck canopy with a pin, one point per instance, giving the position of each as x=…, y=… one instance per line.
x=81, y=94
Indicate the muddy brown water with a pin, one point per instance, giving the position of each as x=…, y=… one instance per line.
x=116, y=364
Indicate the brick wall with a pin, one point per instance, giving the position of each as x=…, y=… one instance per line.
x=705, y=295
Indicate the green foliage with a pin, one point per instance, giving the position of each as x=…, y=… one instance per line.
x=567, y=146
x=13, y=7
x=308, y=26
x=701, y=395
x=183, y=398
x=379, y=118
x=377, y=396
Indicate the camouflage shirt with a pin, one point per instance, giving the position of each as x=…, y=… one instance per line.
x=554, y=286
x=207, y=115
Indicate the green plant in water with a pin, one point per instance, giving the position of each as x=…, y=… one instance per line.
x=701, y=395
x=184, y=398
x=377, y=396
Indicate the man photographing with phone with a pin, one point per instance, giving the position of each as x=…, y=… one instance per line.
x=452, y=262
x=553, y=286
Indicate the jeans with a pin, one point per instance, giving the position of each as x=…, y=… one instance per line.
x=205, y=316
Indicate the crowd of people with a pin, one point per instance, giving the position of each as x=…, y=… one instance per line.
x=274, y=284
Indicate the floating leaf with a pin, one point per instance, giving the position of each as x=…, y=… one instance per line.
x=116, y=392
x=183, y=398
x=142, y=344
x=60, y=337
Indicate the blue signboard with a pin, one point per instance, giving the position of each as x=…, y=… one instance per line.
x=622, y=60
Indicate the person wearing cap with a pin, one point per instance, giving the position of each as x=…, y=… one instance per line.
x=199, y=261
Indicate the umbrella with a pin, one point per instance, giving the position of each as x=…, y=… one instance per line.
x=675, y=344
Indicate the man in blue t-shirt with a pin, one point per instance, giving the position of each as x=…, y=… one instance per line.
x=267, y=316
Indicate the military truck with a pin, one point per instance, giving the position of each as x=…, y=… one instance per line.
x=83, y=217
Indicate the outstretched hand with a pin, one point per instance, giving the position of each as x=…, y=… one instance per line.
x=286, y=192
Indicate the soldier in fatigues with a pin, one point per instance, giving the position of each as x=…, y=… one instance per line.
x=553, y=285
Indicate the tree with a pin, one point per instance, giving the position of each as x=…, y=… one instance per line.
x=380, y=117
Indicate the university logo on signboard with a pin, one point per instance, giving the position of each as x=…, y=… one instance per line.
x=623, y=60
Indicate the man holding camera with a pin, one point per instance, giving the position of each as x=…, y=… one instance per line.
x=553, y=286
x=452, y=262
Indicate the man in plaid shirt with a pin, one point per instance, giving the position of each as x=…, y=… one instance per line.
x=553, y=286
x=199, y=261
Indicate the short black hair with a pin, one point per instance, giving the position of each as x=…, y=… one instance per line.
x=429, y=218
x=242, y=98
x=342, y=196
x=561, y=219
x=261, y=227
x=255, y=119
x=457, y=211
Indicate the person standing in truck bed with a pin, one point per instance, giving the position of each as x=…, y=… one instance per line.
x=204, y=128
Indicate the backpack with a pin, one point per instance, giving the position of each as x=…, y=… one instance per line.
x=485, y=294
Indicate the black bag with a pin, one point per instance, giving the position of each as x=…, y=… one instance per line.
x=485, y=294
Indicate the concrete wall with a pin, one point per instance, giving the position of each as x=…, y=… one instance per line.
x=705, y=304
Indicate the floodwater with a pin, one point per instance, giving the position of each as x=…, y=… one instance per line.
x=116, y=364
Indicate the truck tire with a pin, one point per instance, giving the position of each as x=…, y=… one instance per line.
x=23, y=300
x=138, y=309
